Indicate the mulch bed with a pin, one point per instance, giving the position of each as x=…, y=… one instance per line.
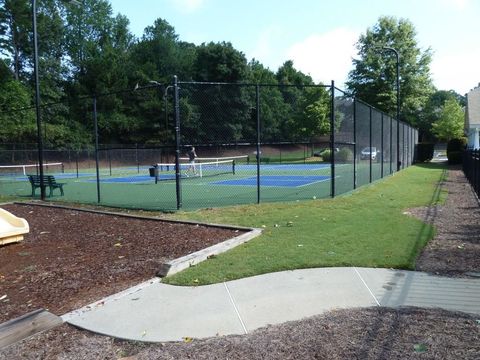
x=372, y=333
x=72, y=258
x=455, y=249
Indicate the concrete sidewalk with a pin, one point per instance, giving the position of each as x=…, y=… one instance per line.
x=158, y=312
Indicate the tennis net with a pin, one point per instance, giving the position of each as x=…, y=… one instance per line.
x=200, y=169
x=238, y=159
x=16, y=170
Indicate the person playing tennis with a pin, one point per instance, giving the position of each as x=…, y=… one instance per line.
x=192, y=155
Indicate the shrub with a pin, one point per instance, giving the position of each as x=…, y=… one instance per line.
x=455, y=148
x=455, y=157
x=456, y=144
x=424, y=152
x=344, y=155
x=326, y=155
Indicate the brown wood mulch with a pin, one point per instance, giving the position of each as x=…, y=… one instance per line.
x=372, y=333
x=71, y=258
x=455, y=248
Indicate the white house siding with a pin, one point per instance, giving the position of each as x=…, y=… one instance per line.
x=472, y=118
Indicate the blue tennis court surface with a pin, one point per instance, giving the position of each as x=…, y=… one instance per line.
x=284, y=167
x=275, y=180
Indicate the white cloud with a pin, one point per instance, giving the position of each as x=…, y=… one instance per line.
x=264, y=49
x=459, y=71
x=456, y=4
x=326, y=56
x=187, y=6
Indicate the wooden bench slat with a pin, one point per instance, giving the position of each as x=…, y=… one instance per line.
x=27, y=325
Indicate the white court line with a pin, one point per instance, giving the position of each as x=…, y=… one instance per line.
x=235, y=307
x=364, y=283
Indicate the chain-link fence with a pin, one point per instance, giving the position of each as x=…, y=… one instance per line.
x=253, y=143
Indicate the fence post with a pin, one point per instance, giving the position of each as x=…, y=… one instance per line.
x=95, y=125
x=332, y=138
x=177, y=143
x=370, y=141
x=354, y=143
x=257, y=100
x=391, y=145
x=382, y=151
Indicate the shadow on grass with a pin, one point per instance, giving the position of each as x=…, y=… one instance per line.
x=427, y=229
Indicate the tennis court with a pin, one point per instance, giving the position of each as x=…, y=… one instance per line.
x=214, y=182
x=220, y=182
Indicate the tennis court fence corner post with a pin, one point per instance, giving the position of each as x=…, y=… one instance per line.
x=370, y=142
x=332, y=139
x=257, y=104
x=178, y=188
x=95, y=129
x=354, y=143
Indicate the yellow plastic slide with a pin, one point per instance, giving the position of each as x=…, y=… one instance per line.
x=12, y=227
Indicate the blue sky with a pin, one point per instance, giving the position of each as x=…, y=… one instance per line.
x=319, y=35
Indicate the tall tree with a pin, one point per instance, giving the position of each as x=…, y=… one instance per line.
x=432, y=111
x=225, y=112
x=298, y=99
x=450, y=123
x=15, y=27
x=17, y=126
x=273, y=109
x=373, y=78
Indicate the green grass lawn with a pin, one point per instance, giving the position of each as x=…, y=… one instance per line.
x=366, y=227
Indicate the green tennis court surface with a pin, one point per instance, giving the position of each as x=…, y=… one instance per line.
x=133, y=187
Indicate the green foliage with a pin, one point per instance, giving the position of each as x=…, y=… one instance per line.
x=455, y=148
x=86, y=50
x=450, y=122
x=432, y=111
x=326, y=155
x=344, y=155
x=425, y=152
x=313, y=116
x=457, y=144
x=17, y=126
x=373, y=78
x=220, y=62
x=455, y=157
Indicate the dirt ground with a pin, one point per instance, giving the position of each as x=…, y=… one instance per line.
x=70, y=259
x=372, y=333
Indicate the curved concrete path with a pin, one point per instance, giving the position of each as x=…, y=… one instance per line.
x=157, y=312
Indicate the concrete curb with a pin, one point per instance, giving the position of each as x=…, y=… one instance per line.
x=189, y=260
x=112, y=298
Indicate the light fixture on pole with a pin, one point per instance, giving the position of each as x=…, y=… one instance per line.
x=165, y=100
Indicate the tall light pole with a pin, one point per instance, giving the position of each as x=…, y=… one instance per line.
x=37, y=95
x=37, y=99
x=397, y=57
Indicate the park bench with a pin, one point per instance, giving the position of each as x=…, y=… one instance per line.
x=48, y=180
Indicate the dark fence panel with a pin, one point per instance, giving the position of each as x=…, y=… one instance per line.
x=387, y=145
x=344, y=145
x=363, y=142
x=254, y=143
x=377, y=145
x=471, y=168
